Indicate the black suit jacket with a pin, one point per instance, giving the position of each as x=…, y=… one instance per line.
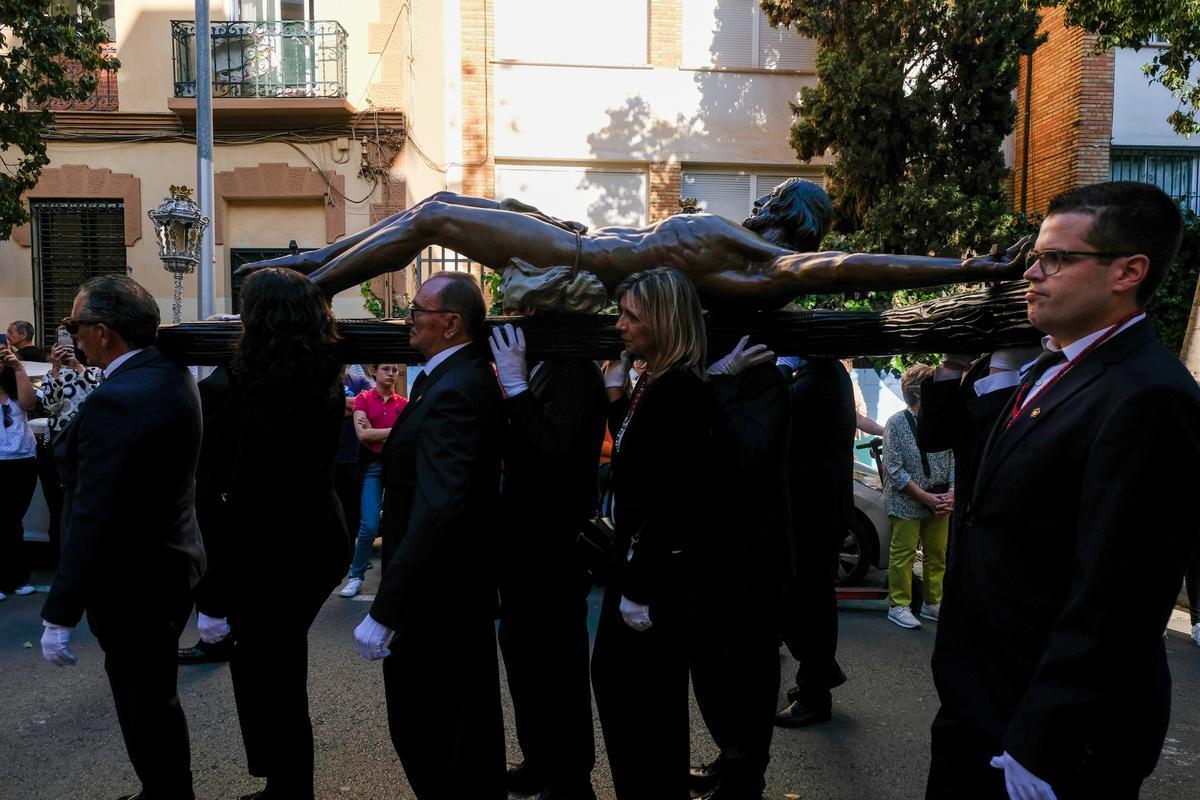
x=127, y=462
x=441, y=474
x=1069, y=557
x=550, y=460
x=660, y=486
x=821, y=453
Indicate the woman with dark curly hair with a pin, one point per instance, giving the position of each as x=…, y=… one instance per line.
x=280, y=432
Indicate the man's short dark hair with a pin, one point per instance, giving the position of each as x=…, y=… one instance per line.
x=24, y=328
x=460, y=293
x=124, y=306
x=1129, y=217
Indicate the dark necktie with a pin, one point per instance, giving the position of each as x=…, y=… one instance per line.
x=1044, y=362
x=415, y=390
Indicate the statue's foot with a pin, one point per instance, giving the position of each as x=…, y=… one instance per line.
x=301, y=262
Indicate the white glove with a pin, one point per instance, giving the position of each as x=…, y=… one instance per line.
x=371, y=639
x=508, y=348
x=636, y=615
x=212, y=629
x=742, y=357
x=56, y=645
x=1020, y=782
x=617, y=371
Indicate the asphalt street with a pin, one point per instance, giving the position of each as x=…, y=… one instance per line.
x=59, y=737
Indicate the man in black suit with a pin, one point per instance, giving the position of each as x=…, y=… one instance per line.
x=131, y=549
x=556, y=419
x=433, y=616
x=1053, y=678
x=743, y=566
x=821, y=484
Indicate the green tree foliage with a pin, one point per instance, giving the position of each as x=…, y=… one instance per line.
x=36, y=39
x=1132, y=23
x=1172, y=303
x=914, y=100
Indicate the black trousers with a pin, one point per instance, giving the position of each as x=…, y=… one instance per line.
x=450, y=740
x=18, y=477
x=347, y=484
x=735, y=677
x=959, y=769
x=809, y=622
x=641, y=684
x=544, y=640
x=139, y=643
x=269, y=668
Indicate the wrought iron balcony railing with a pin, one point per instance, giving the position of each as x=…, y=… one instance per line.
x=287, y=58
x=105, y=96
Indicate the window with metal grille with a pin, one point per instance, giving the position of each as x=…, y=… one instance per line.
x=1174, y=170
x=73, y=240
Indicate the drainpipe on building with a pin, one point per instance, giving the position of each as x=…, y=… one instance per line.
x=205, y=290
x=1025, y=149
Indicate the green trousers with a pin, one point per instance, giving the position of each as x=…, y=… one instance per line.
x=932, y=533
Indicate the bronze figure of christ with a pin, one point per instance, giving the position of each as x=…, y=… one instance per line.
x=764, y=263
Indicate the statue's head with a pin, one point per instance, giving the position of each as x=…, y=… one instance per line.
x=796, y=215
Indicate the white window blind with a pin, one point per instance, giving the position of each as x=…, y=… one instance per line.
x=729, y=195
x=735, y=33
x=572, y=31
x=768, y=182
x=595, y=197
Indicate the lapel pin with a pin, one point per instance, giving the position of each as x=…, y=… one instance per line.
x=1035, y=412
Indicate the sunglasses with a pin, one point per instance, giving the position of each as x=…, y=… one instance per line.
x=72, y=325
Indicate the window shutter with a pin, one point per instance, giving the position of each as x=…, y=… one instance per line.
x=783, y=48
x=718, y=33
x=725, y=194
x=572, y=31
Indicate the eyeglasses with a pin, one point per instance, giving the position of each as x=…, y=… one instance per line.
x=1053, y=260
x=8, y=420
x=416, y=309
x=72, y=325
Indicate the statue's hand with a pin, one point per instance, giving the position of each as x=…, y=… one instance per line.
x=997, y=266
x=1019, y=252
x=294, y=261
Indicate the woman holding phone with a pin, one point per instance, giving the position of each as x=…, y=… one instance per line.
x=18, y=471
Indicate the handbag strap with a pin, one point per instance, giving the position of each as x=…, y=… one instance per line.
x=912, y=425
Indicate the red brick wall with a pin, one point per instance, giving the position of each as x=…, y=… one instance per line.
x=666, y=32
x=1070, y=116
x=665, y=184
x=479, y=161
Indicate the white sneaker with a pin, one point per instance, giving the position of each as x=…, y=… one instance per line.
x=931, y=610
x=903, y=616
x=351, y=588
x=1196, y=633
x=26, y=589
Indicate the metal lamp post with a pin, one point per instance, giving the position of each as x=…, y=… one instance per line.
x=180, y=228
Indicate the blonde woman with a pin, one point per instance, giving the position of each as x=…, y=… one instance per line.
x=920, y=496
x=660, y=433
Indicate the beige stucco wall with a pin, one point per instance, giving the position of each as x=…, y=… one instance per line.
x=251, y=223
x=622, y=115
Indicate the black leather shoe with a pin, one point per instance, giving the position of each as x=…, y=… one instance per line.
x=799, y=716
x=704, y=777
x=204, y=653
x=523, y=781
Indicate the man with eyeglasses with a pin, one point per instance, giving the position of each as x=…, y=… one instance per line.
x=131, y=548
x=432, y=621
x=1052, y=676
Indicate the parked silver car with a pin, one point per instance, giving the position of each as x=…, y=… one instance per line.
x=869, y=539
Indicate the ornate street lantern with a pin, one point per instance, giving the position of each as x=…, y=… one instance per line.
x=179, y=226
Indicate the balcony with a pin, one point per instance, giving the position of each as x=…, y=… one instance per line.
x=259, y=68
x=105, y=96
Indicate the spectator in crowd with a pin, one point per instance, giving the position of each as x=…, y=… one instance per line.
x=375, y=412
x=63, y=390
x=1192, y=582
x=556, y=414
x=131, y=548
x=20, y=340
x=741, y=565
x=821, y=482
x=282, y=430
x=348, y=468
x=660, y=452
x=919, y=496
x=433, y=619
x=18, y=472
x=1062, y=688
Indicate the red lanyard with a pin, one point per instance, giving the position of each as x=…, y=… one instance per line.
x=643, y=383
x=1019, y=403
